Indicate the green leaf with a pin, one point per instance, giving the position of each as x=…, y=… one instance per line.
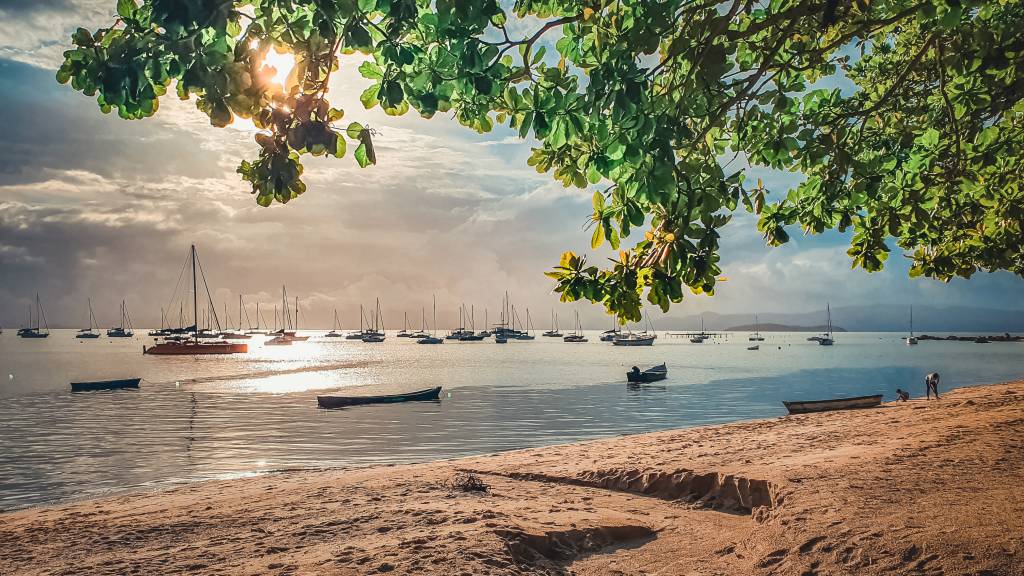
x=369, y=69
x=354, y=130
x=126, y=8
x=597, y=238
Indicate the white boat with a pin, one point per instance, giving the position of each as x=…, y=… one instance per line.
x=756, y=336
x=826, y=338
x=911, y=340
x=631, y=339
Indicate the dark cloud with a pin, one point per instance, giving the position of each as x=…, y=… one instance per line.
x=23, y=7
x=47, y=125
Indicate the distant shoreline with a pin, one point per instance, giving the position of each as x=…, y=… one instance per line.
x=770, y=327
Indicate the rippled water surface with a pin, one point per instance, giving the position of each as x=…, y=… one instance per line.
x=198, y=418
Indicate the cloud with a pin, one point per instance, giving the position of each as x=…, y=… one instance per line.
x=94, y=206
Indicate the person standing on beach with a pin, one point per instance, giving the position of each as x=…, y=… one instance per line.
x=931, y=383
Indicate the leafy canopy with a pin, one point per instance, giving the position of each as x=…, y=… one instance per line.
x=648, y=101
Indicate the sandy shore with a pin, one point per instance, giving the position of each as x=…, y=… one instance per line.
x=916, y=488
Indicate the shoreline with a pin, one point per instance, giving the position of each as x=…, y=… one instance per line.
x=869, y=491
x=155, y=487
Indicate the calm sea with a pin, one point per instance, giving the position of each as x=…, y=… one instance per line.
x=199, y=418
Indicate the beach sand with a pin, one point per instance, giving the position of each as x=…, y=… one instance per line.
x=912, y=488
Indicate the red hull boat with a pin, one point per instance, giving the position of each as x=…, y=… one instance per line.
x=192, y=348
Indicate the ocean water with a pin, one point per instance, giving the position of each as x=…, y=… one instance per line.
x=198, y=418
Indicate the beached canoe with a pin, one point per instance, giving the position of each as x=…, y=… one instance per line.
x=653, y=374
x=805, y=406
x=105, y=385
x=343, y=401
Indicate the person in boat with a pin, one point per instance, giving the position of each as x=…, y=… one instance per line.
x=902, y=395
x=931, y=383
x=635, y=370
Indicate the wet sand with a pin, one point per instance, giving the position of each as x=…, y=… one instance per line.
x=911, y=488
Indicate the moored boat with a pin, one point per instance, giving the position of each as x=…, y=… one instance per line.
x=577, y=334
x=35, y=330
x=125, y=329
x=343, y=401
x=630, y=339
x=105, y=385
x=194, y=347
x=805, y=406
x=652, y=374
x=89, y=333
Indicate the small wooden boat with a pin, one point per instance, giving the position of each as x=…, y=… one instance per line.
x=343, y=401
x=805, y=406
x=653, y=374
x=105, y=385
x=754, y=347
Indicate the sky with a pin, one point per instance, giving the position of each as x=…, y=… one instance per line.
x=92, y=206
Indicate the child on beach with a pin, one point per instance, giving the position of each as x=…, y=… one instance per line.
x=931, y=383
x=902, y=395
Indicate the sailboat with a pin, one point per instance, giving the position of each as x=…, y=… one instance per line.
x=404, y=332
x=554, y=333
x=756, y=336
x=162, y=331
x=577, y=333
x=122, y=331
x=470, y=335
x=236, y=334
x=195, y=347
x=826, y=338
x=35, y=330
x=335, y=327
x=294, y=336
x=357, y=335
x=527, y=333
x=431, y=339
x=461, y=331
x=911, y=340
x=279, y=337
x=422, y=332
x=700, y=338
x=609, y=335
x=259, y=316
x=90, y=332
x=486, y=331
x=375, y=334
x=630, y=338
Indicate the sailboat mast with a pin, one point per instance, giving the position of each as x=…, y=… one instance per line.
x=195, y=303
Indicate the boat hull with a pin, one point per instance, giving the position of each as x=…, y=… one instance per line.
x=633, y=342
x=105, y=385
x=650, y=375
x=344, y=401
x=804, y=407
x=191, y=349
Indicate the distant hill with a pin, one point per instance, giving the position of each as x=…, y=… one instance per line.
x=770, y=327
x=878, y=318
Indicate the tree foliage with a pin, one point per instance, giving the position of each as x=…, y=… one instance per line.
x=658, y=104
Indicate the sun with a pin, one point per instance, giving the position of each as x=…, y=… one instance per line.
x=282, y=63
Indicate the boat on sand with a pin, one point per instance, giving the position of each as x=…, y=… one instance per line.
x=805, y=406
